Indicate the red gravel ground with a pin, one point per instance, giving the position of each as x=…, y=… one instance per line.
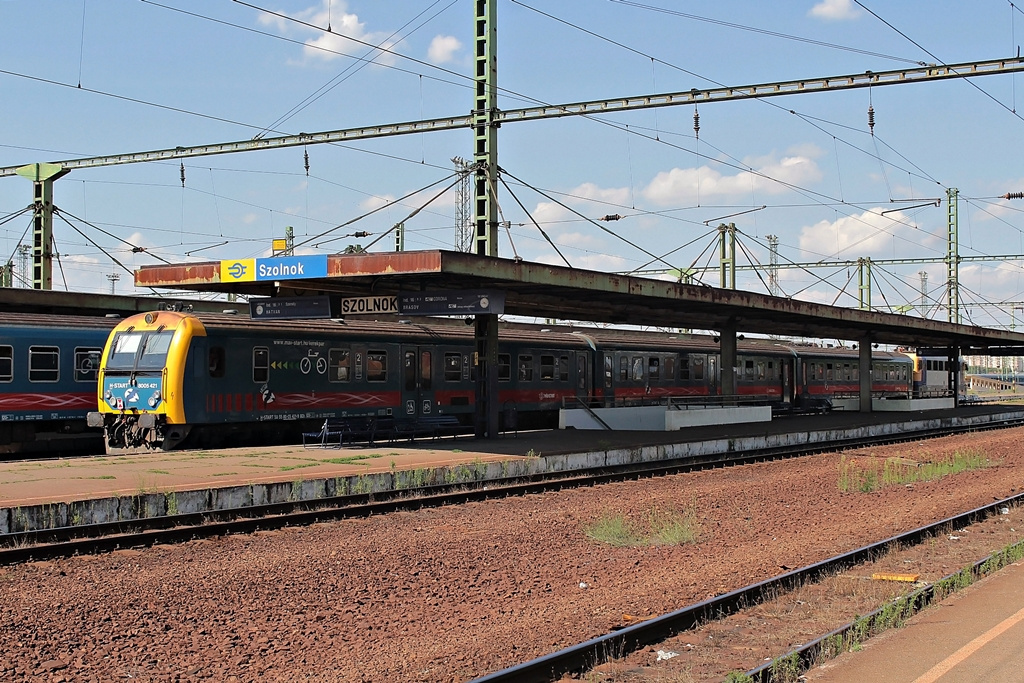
x=452, y=593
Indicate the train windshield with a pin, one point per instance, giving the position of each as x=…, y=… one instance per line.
x=139, y=350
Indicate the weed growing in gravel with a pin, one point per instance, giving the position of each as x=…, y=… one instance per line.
x=419, y=477
x=738, y=677
x=854, y=476
x=299, y=466
x=348, y=459
x=663, y=527
x=614, y=530
x=673, y=527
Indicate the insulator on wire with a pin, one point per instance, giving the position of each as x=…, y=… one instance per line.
x=1013, y=195
x=696, y=122
x=183, y=174
x=305, y=159
x=871, y=119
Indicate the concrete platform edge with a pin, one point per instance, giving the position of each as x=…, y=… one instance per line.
x=150, y=505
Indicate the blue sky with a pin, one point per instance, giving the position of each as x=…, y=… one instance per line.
x=87, y=78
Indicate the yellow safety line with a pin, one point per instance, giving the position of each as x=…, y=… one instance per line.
x=969, y=649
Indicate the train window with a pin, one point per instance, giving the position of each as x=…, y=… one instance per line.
x=87, y=364
x=828, y=372
x=760, y=369
x=608, y=370
x=547, y=367
x=376, y=366
x=154, y=350
x=338, y=361
x=426, y=370
x=504, y=367
x=654, y=368
x=623, y=368
x=698, y=368
x=846, y=371
x=123, y=350
x=216, y=361
x=771, y=370
x=748, y=369
x=43, y=364
x=856, y=372
x=6, y=363
x=684, y=368
x=452, y=367
x=638, y=368
x=260, y=364
x=563, y=368
x=670, y=368
x=525, y=368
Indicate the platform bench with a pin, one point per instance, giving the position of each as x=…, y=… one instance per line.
x=329, y=436
x=337, y=431
x=433, y=426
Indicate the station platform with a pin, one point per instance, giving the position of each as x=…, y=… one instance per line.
x=53, y=480
x=975, y=634
x=64, y=481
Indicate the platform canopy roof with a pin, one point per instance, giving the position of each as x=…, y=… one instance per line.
x=558, y=292
x=54, y=302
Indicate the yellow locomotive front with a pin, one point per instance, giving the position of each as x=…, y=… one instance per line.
x=141, y=380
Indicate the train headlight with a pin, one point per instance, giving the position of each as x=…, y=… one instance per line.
x=154, y=399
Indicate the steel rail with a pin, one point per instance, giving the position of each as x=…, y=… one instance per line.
x=598, y=650
x=25, y=546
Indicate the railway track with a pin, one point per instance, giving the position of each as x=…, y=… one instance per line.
x=67, y=541
x=615, y=645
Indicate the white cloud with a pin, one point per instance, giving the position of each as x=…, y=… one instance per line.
x=684, y=185
x=579, y=240
x=834, y=10
x=371, y=203
x=346, y=30
x=603, y=263
x=612, y=195
x=866, y=234
x=549, y=213
x=442, y=49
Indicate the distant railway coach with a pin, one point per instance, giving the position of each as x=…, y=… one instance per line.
x=48, y=371
x=176, y=380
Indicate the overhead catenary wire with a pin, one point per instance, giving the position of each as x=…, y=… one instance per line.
x=658, y=136
x=590, y=220
x=91, y=241
x=414, y=212
x=932, y=55
x=352, y=69
x=749, y=170
x=535, y=223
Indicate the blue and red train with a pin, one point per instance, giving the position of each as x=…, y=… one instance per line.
x=173, y=380
x=48, y=370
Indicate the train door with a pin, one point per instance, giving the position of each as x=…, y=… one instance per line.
x=582, y=380
x=787, y=381
x=417, y=381
x=713, y=376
